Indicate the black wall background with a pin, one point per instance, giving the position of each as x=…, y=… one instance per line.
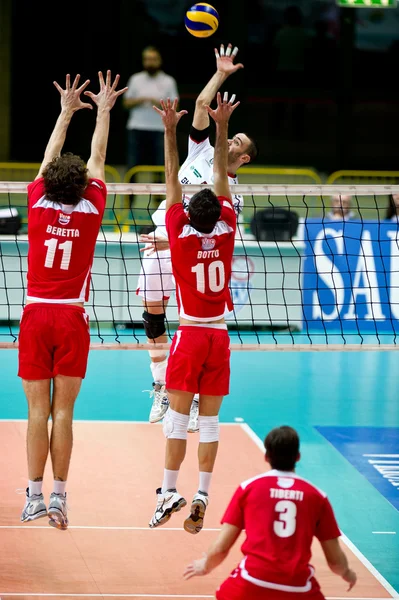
x=351, y=120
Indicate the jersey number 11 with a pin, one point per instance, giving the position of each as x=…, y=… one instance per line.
x=66, y=248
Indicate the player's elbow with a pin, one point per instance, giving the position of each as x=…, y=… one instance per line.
x=200, y=103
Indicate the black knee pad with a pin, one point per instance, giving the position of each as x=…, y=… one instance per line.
x=154, y=325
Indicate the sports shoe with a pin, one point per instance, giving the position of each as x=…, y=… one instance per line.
x=160, y=403
x=58, y=511
x=34, y=507
x=193, y=425
x=195, y=520
x=168, y=503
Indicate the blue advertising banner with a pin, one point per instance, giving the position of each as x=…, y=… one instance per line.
x=351, y=276
x=374, y=452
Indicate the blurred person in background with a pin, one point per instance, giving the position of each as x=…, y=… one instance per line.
x=340, y=208
x=392, y=213
x=290, y=47
x=144, y=126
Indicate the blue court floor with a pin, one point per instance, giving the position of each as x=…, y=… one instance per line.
x=345, y=406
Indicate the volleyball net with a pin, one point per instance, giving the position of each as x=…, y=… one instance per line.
x=305, y=275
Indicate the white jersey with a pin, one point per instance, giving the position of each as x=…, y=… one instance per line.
x=196, y=169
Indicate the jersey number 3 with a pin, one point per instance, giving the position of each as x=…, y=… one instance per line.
x=286, y=524
x=66, y=248
x=216, y=276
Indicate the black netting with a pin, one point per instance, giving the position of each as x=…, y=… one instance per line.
x=302, y=272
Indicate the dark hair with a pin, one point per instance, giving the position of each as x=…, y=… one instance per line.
x=282, y=447
x=391, y=209
x=65, y=179
x=204, y=211
x=151, y=49
x=252, y=149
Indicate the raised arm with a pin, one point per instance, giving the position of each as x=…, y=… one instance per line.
x=170, y=119
x=224, y=68
x=221, y=117
x=70, y=103
x=105, y=100
x=216, y=554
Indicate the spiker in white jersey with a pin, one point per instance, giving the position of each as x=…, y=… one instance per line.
x=156, y=283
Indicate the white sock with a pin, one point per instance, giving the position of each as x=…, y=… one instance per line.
x=169, y=480
x=35, y=487
x=158, y=370
x=59, y=487
x=204, y=481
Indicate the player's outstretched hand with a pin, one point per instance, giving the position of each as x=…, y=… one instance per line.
x=169, y=114
x=197, y=567
x=70, y=97
x=153, y=243
x=224, y=109
x=225, y=60
x=351, y=578
x=106, y=97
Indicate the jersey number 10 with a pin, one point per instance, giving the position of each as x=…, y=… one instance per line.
x=66, y=248
x=216, y=276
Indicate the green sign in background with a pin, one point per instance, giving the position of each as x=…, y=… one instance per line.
x=368, y=3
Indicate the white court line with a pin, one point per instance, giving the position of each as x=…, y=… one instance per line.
x=37, y=594
x=105, y=527
x=119, y=596
x=385, y=532
x=346, y=540
x=110, y=422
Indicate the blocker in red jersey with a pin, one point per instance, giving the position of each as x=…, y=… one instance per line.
x=281, y=513
x=156, y=282
x=65, y=207
x=201, y=245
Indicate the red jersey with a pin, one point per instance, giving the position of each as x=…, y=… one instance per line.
x=201, y=263
x=281, y=513
x=62, y=239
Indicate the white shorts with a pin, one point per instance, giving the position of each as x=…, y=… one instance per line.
x=156, y=281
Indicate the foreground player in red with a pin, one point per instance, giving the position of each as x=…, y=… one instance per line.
x=201, y=245
x=65, y=207
x=280, y=513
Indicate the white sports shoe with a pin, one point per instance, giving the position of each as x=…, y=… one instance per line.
x=34, y=507
x=195, y=520
x=160, y=402
x=168, y=503
x=58, y=511
x=193, y=425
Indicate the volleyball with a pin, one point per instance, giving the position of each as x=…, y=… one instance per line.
x=201, y=20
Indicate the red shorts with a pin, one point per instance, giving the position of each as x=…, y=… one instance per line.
x=237, y=588
x=199, y=361
x=54, y=339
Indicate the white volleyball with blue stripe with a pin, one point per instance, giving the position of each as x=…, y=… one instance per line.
x=202, y=20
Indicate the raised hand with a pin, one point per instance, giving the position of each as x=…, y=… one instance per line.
x=225, y=60
x=169, y=114
x=224, y=109
x=70, y=97
x=106, y=97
